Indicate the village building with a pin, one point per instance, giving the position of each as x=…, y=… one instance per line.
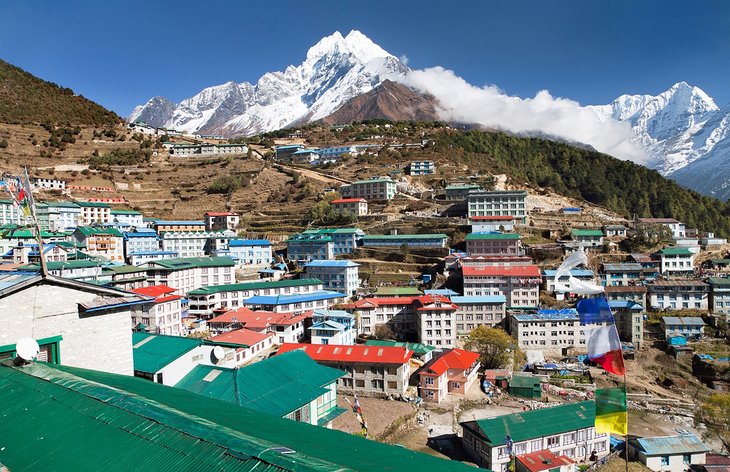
x=332, y=154
x=206, y=299
x=124, y=277
x=81, y=270
x=492, y=224
x=250, y=252
x=479, y=261
x=709, y=240
x=101, y=242
x=719, y=295
x=143, y=257
x=629, y=317
x=305, y=156
x=296, y=303
x=372, y=189
x=634, y=293
x=307, y=247
x=584, y=275
x=356, y=206
x=25, y=253
x=251, y=344
x=212, y=434
x=435, y=320
x=76, y=323
x=338, y=275
x=678, y=229
x=460, y=191
x=415, y=241
x=140, y=240
x=566, y=430
x=420, y=351
x=285, y=153
x=676, y=261
x=221, y=220
x=206, y=149
x=286, y=327
x=614, y=231
x=162, y=317
x=48, y=183
x=369, y=370
x=92, y=212
x=421, y=168
x=163, y=226
x=498, y=203
x=493, y=244
x=678, y=294
x=587, y=237
x=187, y=274
x=649, y=262
x=486, y=310
x=520, y=285
x=550, y=331
x=130, y=217
x=623, y=273
x=386, y=291
x=395, y=312
x=344, y=240
x=541, y=461
x=289, y=385
x=333, y=327
x=56, y=216
x=196, y=243
x=455, y=371
x=690, y=327
x=669, y=453
x=11, y=214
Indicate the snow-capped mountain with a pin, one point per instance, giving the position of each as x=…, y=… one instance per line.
x=335, y=70
x=685, y=132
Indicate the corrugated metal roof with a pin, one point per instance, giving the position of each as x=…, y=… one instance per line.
x=294, y=298
x=417, y=348
x=536, y=423
x=152, y=352
x=683, y=321
x=254, y=286
x=316, y=448
x=480, y=299
x=331, y=263
x=669, y=445
x=278, y=385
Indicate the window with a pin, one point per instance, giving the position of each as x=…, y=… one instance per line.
x=687, y=458
x=553, y=441
x=665, y=460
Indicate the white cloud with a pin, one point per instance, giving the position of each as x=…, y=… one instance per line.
x=403, y=59
x=462, y=102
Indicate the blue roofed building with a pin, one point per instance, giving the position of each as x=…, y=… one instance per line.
x=295, y=303
x=345, y=240
x=250, y=252
x=668, y=453
x=629, y=317
x=143, y=257
x=444, y=292
x=475, y=311
x=338, y=275
x=548, y=276
x=140, y=240
x=333, y=327
x=307, y=247
x=285, y=153
x=550, y=331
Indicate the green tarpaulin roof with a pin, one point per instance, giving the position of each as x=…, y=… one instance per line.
x=254, y=286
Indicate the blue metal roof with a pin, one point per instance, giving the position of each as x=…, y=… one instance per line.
x=573, y=272
x=153, y=253
x=669, y=445
x=566, y=314
x=482, y=299
x=445, y=292
x=249, y=242
x=331, y=263
x=293, y=298
x=629, y=304
x=14, y=278
x=140, y=235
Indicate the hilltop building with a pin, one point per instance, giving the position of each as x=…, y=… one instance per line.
x=498, y=203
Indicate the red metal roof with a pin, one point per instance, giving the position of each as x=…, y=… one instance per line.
x=455, y=359
x=162, y=293
x=259, y=319
x=425, y=300
x=242, y=336
x=350, y=200
x=543, y=460
x=509, y=271
x=492, y=218
x=357, y=353
x=381, y=301
x=220, y=213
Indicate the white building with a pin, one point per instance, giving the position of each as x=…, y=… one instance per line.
x=250, y=252
x=286, y=327
x=421, y=168
x=75, y=323
x=49, y=184
x=221, y=220
x=338, y=275
x=356, y=206
x=669, y=453
x=143, y=257
x=195, y=243
x=92, y=212
x=491, y=224
x=107, y=243
x=676, y=261
x=551, y=331
x=435, y=321
x=678, y=229
x=187, y=274
x=10, y=214
x=487, y=310
x=566, y=429
x=333, y=327
x=372, y=189
x=141, y=240
x=493, y=244
x=296, y=303
x=58, y=216
x=131, y=217
x=162, y=317
x=498, y=203
x=205, y=149
x=520, y=285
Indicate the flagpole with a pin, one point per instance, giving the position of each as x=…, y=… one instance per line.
x=626, y=438
x=36, y=226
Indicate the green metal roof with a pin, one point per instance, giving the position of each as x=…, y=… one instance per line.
x=536, y=423
x=491, y=236
x=152, y=352
x=332, y=231
x=417, y=348
x=399, y=291
x=89, y=230
x=373, y=181
x=126, y=212
x=675, y=251
x=55, y=420
x=463, y=187
x=719, y=281
x=253, y=286
x=405, y=236
x=58, y=265
x=125, y=269
x=93, y=204
x=316, y=448
x=278, y=385
x=586, y=232
x=182, y=263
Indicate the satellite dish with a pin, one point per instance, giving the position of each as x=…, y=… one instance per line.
x=218, y=353
x=27, y=349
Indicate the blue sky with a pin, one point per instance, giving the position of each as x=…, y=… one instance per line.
x=120, y=53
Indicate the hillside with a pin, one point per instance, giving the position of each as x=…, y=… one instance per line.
x=26, y=99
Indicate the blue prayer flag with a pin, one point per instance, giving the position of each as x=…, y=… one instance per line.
x=594, y=311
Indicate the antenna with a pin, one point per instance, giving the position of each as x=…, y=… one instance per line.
x=27, y=349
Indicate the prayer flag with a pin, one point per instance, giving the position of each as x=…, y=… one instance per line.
x=611, y=416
